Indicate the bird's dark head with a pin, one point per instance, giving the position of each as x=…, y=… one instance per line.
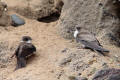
x=78, y=28
x=27, y=39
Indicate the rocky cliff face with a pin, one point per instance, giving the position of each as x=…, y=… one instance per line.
x=99, y=17
x=79, y=12
x=35, y=8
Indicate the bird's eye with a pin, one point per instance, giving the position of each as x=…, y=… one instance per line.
x=26, y=39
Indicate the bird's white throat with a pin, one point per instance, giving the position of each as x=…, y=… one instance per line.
x=29, y=41
x=76, y=33
x=5, y=9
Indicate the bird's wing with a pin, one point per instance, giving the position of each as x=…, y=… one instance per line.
x=26, y=49
x=98, y=42
x=94, y=46
x=87, y=37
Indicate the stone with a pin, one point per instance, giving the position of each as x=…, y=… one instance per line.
x=64, y=50
x=107, y=74
x=99, y=17
x=114, y=77
x=16, y=20
x=65, y=61
x=77, y=78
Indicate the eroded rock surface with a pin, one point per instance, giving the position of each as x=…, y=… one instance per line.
x=36, y=8
x=107, y=74
x=99, y=17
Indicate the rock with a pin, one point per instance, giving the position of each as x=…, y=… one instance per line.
x=5, y=20
x=16, y=20
x=77, y=78
x=83, y=78
x=36, y=8
x=60, y=74
x=107, y=74
x=79, y=12
x=58, y=4
x=72, y=78
x=77, y=60
x=94, y=16
x=65, y=50
x=111, y=8
x=5, y=53
x=65, y=61
x=3, y=66
x=114, y=77
x=105, y=65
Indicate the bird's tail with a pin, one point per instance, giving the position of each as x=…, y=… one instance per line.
x=94, y=46
x=101, y=49
x=21, y=62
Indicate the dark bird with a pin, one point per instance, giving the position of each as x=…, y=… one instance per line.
x=88, y=40
x=24, y=50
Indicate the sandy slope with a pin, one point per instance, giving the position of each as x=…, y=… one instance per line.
x=46, y=39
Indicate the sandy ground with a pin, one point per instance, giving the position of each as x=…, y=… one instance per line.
x=49, y=45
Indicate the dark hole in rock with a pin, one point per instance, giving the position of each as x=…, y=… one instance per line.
x=118, y=9
x=53, y=17
x=112, y=8
x=114, y=38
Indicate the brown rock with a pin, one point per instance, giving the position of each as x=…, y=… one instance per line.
x=99, y=17
x=4, y=17
x=35, y=8
x=107, y=74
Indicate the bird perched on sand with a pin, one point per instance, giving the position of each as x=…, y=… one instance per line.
x=88, y=40
x=24, y=50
